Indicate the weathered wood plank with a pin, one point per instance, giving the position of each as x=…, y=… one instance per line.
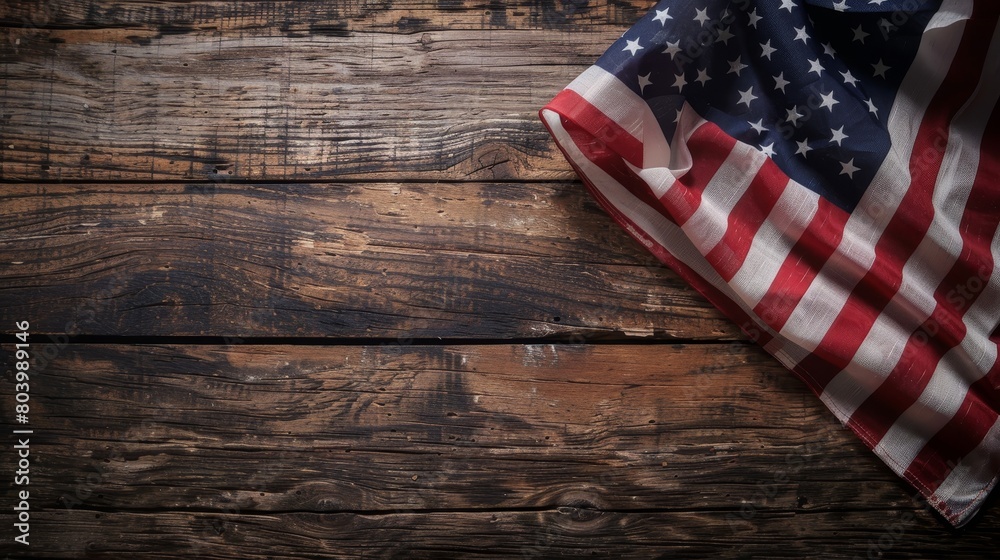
x=568, y=448
x=565, y=532
x=396, y=426
x=321, y=17
x=356, y=260
x=134, y=104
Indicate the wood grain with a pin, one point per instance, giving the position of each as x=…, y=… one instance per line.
x=337, y=260
x=322, y=17
x=531, y=449
x=356, y=179
x=563, y=532
x=283, y=91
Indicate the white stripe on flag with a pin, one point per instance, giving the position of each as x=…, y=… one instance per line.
x=951, y=11
x=976, y=471
x=709, y=222
x=647, y=219
x=774, y=240
x=958, y=370
x=965, y=364
x=830, y=294
x=610, y=96
x=914, y=302
x=660, y=172
x=827, y=295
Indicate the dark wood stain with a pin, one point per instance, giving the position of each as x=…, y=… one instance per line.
x=339, y=29
x=539, y=439
x=338, y=261
x=409, y=24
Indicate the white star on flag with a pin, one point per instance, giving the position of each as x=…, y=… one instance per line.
x=767, y=50
x=779, y=136
x=679, y=81
x=848, y=168
x=793, y=116
x=780, y=82
x=815, y=67
x=747, y=96
x=828, y=101
x=724, y=36
x=702, y=16
x=880, y=68
x=632, y=46
x=838, y=136
x=859, y=34
x=871, y=107
x=672, y=49
x=736, y=66
x=801, y=34
x=644, y=81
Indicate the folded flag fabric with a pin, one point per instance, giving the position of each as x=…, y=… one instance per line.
x=826, y=173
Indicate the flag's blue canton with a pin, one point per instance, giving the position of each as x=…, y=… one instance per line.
x=808, y=82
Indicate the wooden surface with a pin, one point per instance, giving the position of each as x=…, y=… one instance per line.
x=308, y=279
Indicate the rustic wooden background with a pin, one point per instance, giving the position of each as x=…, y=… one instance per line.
x=310, y=279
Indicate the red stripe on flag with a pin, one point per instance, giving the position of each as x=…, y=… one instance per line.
x=909, y=224
x=979, y=409
x=606, y=156
x=963, y=433
x=805, y=259
x=609, y=162
x=724, y=303
x=746, y=218
x=945, y=328
x=580, y=112
x=709, y=147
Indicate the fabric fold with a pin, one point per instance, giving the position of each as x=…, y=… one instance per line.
x=826, y=174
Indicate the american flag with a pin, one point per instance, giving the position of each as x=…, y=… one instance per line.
x=827, y=174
